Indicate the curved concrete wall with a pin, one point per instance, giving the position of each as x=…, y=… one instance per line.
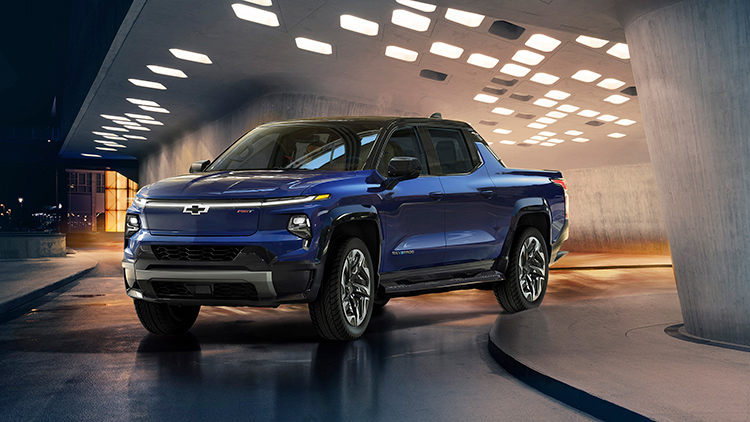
x=31, y=245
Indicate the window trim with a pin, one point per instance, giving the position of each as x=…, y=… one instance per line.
x=473, y=153
x=420, y=138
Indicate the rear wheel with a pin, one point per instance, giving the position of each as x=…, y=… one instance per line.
x=344, y=304
x=526, y=277
x=164, y=319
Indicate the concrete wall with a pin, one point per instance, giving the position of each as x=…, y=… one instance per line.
x=31, y=245
x=212, y=139
x=615, y=209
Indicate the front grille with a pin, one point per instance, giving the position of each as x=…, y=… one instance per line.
x=195, y=252
x=197, y=290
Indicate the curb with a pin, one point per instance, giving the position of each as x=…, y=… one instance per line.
x=12, y=304
x=564, y=393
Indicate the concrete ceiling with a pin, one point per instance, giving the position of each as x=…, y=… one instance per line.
x=250, y=60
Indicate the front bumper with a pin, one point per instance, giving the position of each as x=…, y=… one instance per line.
x=253, y=278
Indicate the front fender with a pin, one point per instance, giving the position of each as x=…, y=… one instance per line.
x=345, y=214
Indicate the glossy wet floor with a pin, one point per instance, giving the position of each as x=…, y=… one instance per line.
x=81, y=354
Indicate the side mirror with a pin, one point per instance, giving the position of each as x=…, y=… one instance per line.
x=404, y=168
x=199, y=166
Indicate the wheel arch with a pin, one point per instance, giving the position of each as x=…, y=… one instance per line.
x=527, y=212
x=353, y=220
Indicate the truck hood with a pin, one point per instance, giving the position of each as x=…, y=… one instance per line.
x=240, y=184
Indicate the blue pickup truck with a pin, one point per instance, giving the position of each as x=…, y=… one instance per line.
x=342, y=214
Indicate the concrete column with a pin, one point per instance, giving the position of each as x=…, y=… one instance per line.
x=691, y=62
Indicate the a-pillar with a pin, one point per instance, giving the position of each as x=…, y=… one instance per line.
x=691, y=62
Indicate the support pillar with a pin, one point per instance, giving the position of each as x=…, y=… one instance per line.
x=691, y=62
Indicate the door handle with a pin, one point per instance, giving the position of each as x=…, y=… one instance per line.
x=437, y=195
x=486, y=193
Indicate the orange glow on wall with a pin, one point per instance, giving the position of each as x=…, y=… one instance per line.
x=118, y=195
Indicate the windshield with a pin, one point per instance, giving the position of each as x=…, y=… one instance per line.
x=303, y=146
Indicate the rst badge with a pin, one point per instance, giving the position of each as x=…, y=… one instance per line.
x=195, y=209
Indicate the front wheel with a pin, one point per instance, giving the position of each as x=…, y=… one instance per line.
x=528, y=270
x=344, y=304
x=163, y=319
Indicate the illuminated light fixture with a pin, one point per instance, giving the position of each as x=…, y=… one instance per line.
x=110, y=117
x=260, y=2
x=588, y=113
x=190, y=56
x=138, y=116
x=527, y=57
x=574, y=132
x=410, y=20
x=115, y=138
x=620, y=51
x=556, y=114
x=547, y=144
x=98, y=141
x=616, y=135
x=136, y=101
x=503, y=111
x=531, y=141
x=591, y=41
x=568, y=108
x=625, y=122
x=167, y=71
x=580, y=140
x=105, y=149
x=544, y=102
x=555, y=141
x=586, y=76
x=115, y=145
x=536, y=125
x=484, y=98
x=359, y=25
x=151, y=122
x=472, y=20
x=539, y=138
x=546, y=120
x=313, y=46
x=507, y=142
x=557, y=95
x=547, y=133
x=424, y=7
x=401, y=53
x=154, y=109
x=125, y=122
x=135, y=137
x=610, y=83
x=616, y=99
x=481, y=60
x=446, y=50
x=544, y=78
x=515, y=70
x=147, y=84
x=607, y=118
x=255, y=15
x=542, y=42
x=140, y=128
x=91, y=155
x=103, y=133
x=502, y=131
x=114, y=129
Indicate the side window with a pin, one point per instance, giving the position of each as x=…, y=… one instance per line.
x=452, y=151
x=403, y=143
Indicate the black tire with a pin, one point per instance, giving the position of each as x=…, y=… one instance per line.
x=327, y=312
x=523, y=287
x=163, y=319
x=379, y=303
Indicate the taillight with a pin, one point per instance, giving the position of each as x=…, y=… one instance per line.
x=561, y=182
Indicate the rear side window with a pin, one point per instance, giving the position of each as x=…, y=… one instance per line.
x=452, y=151
x=403, y=143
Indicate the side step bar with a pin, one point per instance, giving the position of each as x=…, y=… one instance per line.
x=393, y=289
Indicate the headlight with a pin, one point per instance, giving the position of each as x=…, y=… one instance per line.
x=139, y=202
x=299, y=225
x=132, y=225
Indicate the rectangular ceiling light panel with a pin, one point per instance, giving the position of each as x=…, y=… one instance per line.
x=544, y=78
x=481, y=60
x=136, y=101
x=568, y=108
x=141, y=138
x=472, y=20
x=410, y=20
x=617, y=99
x=167, y=71
x=190, y=56
x=591, y=41
x=503, y=111
x=588, y=113
x=619, y=50
x=586, y=76
x=502, y=131
x=542, y=42
x=610, y=83
x=527, y=57
x=424, y=7
x=484, y=98
x=255, y=15
x=401, y=53
x=544, y=102
x=557, y=95
x=147, y=84
x=359, y=25
x=260, y=2
x=574, y=132
x=154, y=109
x=515, y=70
x=446, y=50
x=314, y=46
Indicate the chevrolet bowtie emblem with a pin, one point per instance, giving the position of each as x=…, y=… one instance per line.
x=196, y=209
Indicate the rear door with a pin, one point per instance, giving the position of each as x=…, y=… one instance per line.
x=411, y=214
x=470, y=217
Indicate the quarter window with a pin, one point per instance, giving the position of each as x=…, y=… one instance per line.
x=452, y=151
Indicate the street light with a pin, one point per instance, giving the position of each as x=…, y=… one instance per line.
x=20, y=200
